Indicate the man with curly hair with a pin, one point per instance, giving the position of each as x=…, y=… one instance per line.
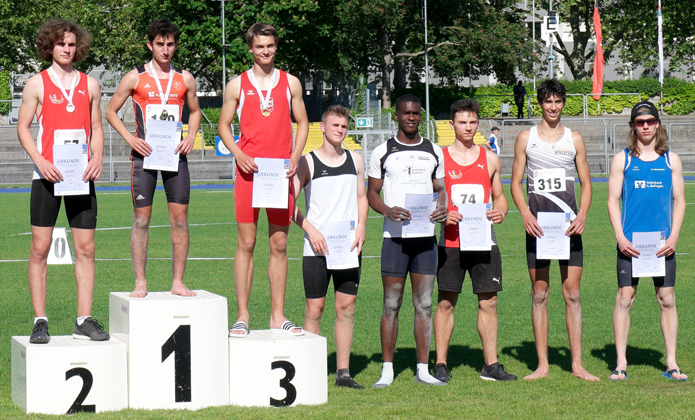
x=66, y=105
x=159, y=91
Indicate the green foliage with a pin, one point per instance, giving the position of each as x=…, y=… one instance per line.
x=679, y=97
x=210, y=130
x=5, y=93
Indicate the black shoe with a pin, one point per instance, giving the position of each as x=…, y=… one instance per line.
x=347, y=382
x=441, y=372
x=495, y=372
x=39, y=335
x=90, y=330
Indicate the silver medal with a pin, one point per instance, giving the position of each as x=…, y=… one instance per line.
x=70, y=108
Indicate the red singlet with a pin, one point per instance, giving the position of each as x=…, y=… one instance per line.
x=54, y=116
x=464, y=182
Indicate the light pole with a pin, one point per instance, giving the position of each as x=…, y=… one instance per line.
x=224, y=49
x=427, y=76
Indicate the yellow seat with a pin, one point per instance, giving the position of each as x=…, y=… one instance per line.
x=446, y=135
x=198, y=139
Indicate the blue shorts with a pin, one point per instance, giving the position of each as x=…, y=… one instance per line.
x=399, y=256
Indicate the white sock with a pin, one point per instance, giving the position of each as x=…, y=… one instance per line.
x=37, y=318
x=424, y=375
x=386, y=375
x=80, y=319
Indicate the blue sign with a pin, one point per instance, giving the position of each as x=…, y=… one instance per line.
x=221, y=149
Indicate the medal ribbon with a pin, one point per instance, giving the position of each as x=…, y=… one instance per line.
x=265, y=102
x=164, y=97
x=60, y=85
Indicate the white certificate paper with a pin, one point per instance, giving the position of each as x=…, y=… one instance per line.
x=475, y=229
x=270, y=184
x=163, y=137
x=648, y=264
x=71, y=161
x=339, y=237
x=420, y=206
x=554, y=244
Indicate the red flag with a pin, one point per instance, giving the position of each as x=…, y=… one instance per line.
x=597, y=86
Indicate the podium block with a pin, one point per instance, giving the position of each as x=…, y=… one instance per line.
x=69, y=376
x=276, y=370
x=177, y=348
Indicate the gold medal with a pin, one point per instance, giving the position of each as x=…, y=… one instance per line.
x=164, y=115
x=266, y=113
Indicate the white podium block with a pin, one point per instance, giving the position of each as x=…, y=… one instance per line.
x=177, y=348
x=69, y=376
x=277, y=370
x=60, y=252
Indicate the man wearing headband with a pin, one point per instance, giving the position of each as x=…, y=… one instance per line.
x=159, y=91
x=66, y=105
x=649, y=180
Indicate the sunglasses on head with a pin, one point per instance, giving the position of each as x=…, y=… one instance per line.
x=650, y=122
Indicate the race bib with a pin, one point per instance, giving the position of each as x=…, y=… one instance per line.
x=168, y=112
x=77, y=136
x=548, y=180
x=467, y=194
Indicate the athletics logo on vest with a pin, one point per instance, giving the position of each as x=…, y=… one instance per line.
x=640, y=184
x=54, y=99
x=454, y=175
x=177, y=85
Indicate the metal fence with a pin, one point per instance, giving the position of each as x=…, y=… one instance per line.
x=603, y=138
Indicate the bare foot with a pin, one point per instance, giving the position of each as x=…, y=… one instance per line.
x=140, y=290
x=677, y=375
x=238, y=329
x=538, y=374
x=581, y=373
x=293, y=330
x=181, y=290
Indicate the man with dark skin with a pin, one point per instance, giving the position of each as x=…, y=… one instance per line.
x=412, y=164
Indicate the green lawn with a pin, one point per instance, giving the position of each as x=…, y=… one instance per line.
x=645, y=395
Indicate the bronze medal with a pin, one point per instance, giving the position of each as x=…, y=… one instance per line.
x=266, y=113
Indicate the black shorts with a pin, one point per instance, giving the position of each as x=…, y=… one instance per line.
x=484, y=268
x=624, y=269
x=81, y=210
x=576, y=254
x=317, y=276
x=399, y=256
x=177, y=185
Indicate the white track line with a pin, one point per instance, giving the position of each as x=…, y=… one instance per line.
x=153, y=226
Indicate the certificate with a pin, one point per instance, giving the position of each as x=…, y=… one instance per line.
x=648, y=264
x=270, y=184
x=163, y=137
x=339, y=237
x=475, y=230
x=420, y=206
x=71, y=161
x=554, y=244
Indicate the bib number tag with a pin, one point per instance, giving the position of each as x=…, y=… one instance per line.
x=467, y=194
x=161, y=112
x=61, y=137
x=549, y=180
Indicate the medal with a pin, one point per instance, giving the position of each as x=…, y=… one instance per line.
x=164, y=115
x=70, y=107
x=265, y=101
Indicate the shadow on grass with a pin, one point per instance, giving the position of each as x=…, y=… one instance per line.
x=403, y=358
x=463, y=356
x=635, y=356
x=358, y=363
x=526, y=353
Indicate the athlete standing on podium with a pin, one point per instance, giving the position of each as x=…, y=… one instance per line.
x=63, y=100
x=264, y=98
x=159, y=90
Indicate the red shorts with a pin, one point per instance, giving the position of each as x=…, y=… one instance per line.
x=243, y=190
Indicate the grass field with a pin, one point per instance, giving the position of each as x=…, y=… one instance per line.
x=213, y=234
